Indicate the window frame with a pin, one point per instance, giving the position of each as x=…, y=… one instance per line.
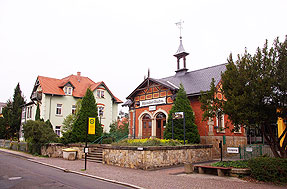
x=68, y=90
x=103, y=110
x=58, y=130
x=221, y=127
x=60, y=112
x=74, y=109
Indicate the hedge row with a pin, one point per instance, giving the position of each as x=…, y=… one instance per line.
x=269, y=169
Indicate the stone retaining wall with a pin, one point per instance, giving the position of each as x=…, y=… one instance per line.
x=231, y=141
x=55, y=150
x=154, y=157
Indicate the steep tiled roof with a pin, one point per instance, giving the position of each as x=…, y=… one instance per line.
x=79, y=84
x=195, y=81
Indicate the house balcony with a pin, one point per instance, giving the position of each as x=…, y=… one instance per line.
x=37, y=96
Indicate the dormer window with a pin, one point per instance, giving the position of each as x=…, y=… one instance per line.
x=68, y=90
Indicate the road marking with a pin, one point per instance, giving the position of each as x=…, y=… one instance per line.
x=14, y=178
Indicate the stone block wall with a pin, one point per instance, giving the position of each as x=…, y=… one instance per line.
x=55, y=150
x=154, y=157
x=231, y=141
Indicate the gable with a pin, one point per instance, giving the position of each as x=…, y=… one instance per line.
x=151, y=89
x=79, y=83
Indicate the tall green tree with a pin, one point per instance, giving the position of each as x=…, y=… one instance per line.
x=182, y=104
x=255, y=90
x=2, y=128
x=88, y=109
x=37, y=116
x=7, y=119
x=12, y=114
x=18, y=101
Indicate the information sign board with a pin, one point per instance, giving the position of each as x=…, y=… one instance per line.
x=92, y=126
x=178, y=115
x=233, y=150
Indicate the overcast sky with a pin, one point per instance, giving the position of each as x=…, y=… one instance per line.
x=116, y=41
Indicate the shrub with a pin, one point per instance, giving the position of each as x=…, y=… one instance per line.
x=108, y=140
x=235, y=164
x=269, y=169
x=38, y=133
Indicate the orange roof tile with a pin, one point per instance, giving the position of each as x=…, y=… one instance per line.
x=79, y=83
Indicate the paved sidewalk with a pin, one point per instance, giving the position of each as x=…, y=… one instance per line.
x=163, y=178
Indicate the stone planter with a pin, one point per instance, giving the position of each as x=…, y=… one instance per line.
x=188, y=168
x=69, y=154
x=236, y=172
x=153, y=157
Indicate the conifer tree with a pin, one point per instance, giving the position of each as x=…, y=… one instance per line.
x=88, y=109
x=255, y=88
x=16, y=111
x=182, y=104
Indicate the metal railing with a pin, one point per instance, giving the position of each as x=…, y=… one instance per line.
x=255, y=150
x=115, y=139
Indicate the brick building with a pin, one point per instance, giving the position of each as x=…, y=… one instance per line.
x=150, y=102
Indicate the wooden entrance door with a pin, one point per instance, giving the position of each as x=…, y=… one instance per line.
x=160, y=123
x=146, y=124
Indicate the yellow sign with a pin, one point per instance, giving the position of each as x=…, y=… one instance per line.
x=92, y=126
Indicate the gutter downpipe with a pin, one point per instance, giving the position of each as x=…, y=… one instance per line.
x=134, y=122
x=50, y=107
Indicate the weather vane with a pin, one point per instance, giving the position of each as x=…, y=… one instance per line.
x=179, y=25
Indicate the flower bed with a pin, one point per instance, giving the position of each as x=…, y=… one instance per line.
x=148, y=142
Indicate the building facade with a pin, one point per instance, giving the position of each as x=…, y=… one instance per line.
x=57, y=98
x=150, y=103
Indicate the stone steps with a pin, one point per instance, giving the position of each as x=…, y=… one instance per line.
x=95, y=155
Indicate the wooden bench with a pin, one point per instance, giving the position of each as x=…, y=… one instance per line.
x=221, y=171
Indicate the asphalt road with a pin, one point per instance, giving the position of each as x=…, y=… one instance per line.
x=17, y=172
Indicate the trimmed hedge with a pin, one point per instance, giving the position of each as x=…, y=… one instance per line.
x=235, y=164
x=269, y=169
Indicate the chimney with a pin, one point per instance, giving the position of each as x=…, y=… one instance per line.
x=79, y=76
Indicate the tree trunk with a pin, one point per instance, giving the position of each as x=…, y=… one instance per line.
x=274, y=143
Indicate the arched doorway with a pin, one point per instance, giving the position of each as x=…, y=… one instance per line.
x=160, y=124
x=147, y=126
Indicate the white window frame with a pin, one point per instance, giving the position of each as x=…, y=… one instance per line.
x=58, y=130
x=221, y=128
x=74, y=109
x=59, y=109
x=29, y=112
x=102, y=94
x=23, y=113
x=239, y=130
x=68, y=90
x=103, y=110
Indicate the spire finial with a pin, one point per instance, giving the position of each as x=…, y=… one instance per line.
x=148, y=73
x=179, y=25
